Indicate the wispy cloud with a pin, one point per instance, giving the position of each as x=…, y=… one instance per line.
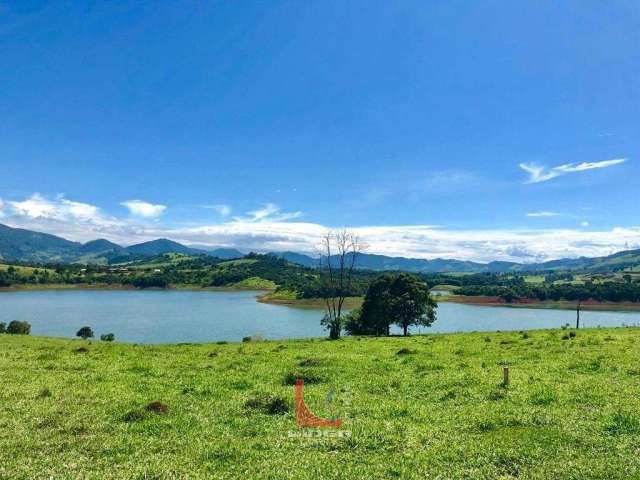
x=268, y=212
x=1, y=208
x=220, y=208
x=544, y=214
x=138, y=208
x=539, y=173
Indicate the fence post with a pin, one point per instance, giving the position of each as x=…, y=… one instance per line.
x=505, y=373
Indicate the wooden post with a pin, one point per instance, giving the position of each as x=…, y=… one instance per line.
x=505, y=373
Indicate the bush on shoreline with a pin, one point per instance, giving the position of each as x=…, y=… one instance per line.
x=17, y=327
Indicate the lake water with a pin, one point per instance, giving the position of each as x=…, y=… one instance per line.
x=185, y=316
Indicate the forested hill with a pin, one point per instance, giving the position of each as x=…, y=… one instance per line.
x=20, y=245
x=291, y=281
x=178, y=270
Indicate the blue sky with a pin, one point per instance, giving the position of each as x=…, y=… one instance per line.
x=480, y=130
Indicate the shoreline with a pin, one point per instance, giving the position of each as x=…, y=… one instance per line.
x=589, y=305
x=266, y=296
x=293, y=340
x=313, y=303
x=98, y=287
x=355, y=302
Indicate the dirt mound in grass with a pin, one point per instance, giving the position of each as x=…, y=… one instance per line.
x=157, y=407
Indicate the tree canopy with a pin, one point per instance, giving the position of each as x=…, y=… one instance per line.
x=399, y=299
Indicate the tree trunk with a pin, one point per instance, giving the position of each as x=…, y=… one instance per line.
x=578, y=316
x=334, y=332
x=405, y=328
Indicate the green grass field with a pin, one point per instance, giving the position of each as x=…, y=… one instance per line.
x=69, y=409
x=535, y=279
x=24, y=271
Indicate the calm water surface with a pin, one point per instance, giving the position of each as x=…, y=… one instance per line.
x=183, y=316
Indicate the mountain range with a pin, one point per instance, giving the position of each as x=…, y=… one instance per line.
x=615, y=262
x=22, y=245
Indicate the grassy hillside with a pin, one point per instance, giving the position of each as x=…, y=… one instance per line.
x=73, y=410
x=20, y=244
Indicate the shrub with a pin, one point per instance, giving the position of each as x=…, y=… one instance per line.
x=150, y=282
x=107, y=337
x=306, y=377
x=133, y=416
x=496, y=395
x=16, y=327
x=269, y=404
x=310, y=362
x=84, y=333
x=623, y=423
x=253, y=338
x=3, y=327
x=405, y=351
x=44, y=393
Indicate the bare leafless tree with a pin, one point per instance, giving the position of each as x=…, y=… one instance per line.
x=338, y=254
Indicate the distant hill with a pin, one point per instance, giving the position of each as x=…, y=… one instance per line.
x=614, y=262
x=224, y=253
x=297, y=258
x=382, y=263
x=26, y=245
x=160, y=247
x=99, y=246
x=99, y=251
x=22, y=245
x=617, y=261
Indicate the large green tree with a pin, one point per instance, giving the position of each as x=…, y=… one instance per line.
x=399, y=299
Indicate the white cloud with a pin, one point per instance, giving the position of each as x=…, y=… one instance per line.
x=265, y=230
x=138, y=208
x=35, y=207
x=543, y=214
x=220, y=208
x=62, y=209
x=421, y=241
x=1, y=208
x=59, y=216
x=269, y=212
x=584, y=224
x=538, y=173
